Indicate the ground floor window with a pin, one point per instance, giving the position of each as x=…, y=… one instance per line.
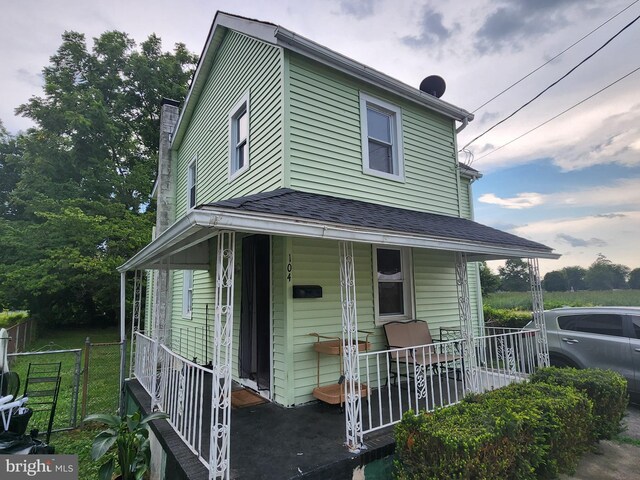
x=392, y=283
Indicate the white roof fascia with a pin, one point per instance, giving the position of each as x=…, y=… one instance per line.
x=311, y=49
x=217, y=220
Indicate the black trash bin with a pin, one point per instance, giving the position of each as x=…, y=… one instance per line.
x=19, y=421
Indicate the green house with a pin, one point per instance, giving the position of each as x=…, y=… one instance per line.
x=305, y=201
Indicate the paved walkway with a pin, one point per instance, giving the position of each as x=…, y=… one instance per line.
x=614, y=460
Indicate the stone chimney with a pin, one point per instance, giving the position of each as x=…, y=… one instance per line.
x=165, y=216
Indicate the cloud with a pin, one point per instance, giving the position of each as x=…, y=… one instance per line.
x=579, y=242
x=432, y=30
x=358, y=8
x=611, y=215
x=518, y=20
x=30, y=78
x=624, y=192
x=520, y=201
x=488, y=117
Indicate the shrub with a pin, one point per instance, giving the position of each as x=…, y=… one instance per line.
x=606, y=389
x=523, y=431
x=498, y=317
x=9, y=318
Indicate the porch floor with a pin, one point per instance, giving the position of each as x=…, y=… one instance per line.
x=273, y=442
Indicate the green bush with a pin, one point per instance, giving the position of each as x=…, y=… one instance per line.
x=606, y=389
x=9, y=318
x=523, y=431
x=509, y=318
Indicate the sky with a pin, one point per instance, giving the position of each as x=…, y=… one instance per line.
x=572, y=184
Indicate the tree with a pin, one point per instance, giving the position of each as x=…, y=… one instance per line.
x=575, y=277
x=514, y=276
x=79, y=201
x=634, y=279
x=605, y=275
x=489, y=281
x=556, y=281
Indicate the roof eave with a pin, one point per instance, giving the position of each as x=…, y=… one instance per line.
x=216, y=219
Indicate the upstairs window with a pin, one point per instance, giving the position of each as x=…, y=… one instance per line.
x=381, y=127
x=392, y=284
x=239, y=137
x=192, y=179
x=187, y=293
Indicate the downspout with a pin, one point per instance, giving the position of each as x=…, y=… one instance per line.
x=465, y=122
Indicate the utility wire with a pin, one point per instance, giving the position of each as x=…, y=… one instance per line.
x=553, y=84
x=560, y=114
x=556, y=56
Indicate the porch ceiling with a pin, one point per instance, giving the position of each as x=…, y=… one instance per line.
x=185, y=245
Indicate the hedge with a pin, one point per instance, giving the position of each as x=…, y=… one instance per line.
x=606, y=389
x=524, y=431
x=500, y=317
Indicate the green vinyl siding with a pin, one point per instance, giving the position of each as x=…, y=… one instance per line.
x=465, y=199
x=242, y=65
x=325, y=152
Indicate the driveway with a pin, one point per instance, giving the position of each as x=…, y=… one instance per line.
x=614, y=460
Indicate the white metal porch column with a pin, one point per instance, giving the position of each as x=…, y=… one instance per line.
x=352, y=409
x=219, y=462
x=469, y=353
x=542, y=347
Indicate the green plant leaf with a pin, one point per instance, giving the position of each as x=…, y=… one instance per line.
x=102, y=443
x=154, y=416
x=106, y=470
x=112, y=421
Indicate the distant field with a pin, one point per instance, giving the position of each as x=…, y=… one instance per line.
x=583, y=298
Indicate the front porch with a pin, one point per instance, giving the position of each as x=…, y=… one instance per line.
x=188, y=374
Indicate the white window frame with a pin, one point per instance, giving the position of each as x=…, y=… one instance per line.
x=397, y=147
x=187, y=293
x=192, y=183
x=407, y=285
x=240, y=106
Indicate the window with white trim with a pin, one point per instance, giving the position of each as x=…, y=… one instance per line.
x=392, y=283
x=192, y=179
x=381, y=128
x=239, y=137
x=187, y=293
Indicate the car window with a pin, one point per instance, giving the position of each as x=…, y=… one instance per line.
x=636, y=325
x=602, y=324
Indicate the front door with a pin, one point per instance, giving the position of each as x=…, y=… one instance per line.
x=255, y=319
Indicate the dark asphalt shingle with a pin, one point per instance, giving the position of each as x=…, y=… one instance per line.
x=355, y=213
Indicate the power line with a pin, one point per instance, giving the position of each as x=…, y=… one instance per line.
x=553, y=84
x=560, y=114
x=556, y=56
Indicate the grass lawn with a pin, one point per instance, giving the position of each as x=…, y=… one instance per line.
x=103, y=388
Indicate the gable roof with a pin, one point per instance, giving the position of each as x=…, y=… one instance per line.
x=289, y=212
x=281, y=37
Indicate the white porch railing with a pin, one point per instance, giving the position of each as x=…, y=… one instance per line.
x=505, y=355
x=183, y=388
x=417, y=378
x=144, y=366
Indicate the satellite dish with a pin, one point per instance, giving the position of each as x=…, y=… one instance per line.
x=433, y=85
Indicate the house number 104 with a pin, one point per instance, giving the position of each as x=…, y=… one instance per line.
x=289, y=268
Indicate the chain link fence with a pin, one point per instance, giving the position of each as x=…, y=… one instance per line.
x=89, y=382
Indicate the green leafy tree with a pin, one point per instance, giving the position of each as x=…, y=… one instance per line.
x=78, y=202
x=514, y=276
x=556, y=281
x=605, y=275
x=575, y=277
x=634, y=279
x=489, y=281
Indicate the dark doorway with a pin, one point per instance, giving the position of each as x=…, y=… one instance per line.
x=255, y=318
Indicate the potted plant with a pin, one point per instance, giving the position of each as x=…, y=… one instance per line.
x=130, y=435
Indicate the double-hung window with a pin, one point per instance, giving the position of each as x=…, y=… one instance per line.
x=239, y=137
x=191, y=184
x=381, y=128
x=392, y=283
x=187, y=293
